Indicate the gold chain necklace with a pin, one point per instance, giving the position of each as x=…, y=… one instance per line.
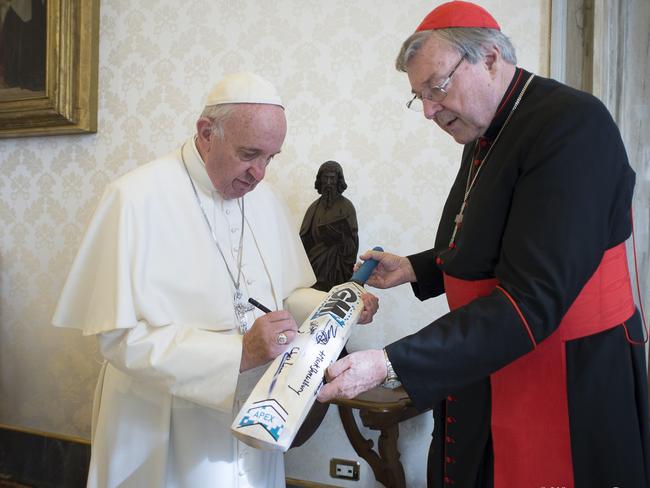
x=472, y=180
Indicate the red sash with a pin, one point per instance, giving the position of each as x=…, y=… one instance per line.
x=530, y=422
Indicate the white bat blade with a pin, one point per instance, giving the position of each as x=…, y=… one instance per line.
x=280, y=401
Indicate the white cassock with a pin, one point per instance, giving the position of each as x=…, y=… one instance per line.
x=149, y=281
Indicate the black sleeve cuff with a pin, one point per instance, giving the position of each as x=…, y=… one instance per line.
x=429, y=277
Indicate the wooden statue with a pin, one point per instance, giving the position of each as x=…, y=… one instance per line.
x=329, y=230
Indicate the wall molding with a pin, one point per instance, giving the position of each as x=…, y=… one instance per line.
x=51, y=435
x=50, y=460
x=44, y=460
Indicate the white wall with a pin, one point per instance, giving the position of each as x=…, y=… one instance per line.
x=333, y=64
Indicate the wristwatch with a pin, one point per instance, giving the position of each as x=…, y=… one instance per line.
x=391, y=380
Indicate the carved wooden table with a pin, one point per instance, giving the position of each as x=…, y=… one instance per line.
x=380, y=409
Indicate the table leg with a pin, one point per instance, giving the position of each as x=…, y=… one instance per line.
x=385, y=465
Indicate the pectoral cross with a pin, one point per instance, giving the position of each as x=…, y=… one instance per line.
x=242, y=307
x=458, y=220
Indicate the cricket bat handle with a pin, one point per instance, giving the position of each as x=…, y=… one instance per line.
x=365, y=270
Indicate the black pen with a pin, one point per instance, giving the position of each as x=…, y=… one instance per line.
x=254, y=302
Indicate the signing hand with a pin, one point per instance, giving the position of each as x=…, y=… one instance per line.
x=266, y=339
x=370, y=307
x=353, y=374
x=392, y=270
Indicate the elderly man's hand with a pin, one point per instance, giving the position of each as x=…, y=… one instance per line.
x=353, y=374
x=392, y=270
x=269, y=336
x=370, y=307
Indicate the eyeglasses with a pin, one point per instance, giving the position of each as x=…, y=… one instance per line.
x=435, y=94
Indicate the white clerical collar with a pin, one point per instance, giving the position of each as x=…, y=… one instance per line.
x=196, y=167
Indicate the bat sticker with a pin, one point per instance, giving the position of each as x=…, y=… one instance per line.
x=268, y=414
x=338, y=306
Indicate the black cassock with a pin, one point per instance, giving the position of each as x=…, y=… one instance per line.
x=553, y=194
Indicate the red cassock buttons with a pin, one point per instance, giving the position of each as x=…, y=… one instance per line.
x=451, y=420
x=449, y=439
x=438, y=260
x=451, y=398
x=448, y=480
x=449, y=460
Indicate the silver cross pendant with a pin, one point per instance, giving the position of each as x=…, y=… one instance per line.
x=241, y=309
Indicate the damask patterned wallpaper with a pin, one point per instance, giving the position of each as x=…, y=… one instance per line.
x=333, y=64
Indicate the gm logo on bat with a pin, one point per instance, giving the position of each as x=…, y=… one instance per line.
x=338, y=305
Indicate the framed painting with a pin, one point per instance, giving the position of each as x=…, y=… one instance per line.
x=48, y=67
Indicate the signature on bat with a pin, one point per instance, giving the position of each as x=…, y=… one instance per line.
x=285, y=361
x=328, y=332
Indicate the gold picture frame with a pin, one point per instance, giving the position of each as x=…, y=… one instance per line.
x=67, y=103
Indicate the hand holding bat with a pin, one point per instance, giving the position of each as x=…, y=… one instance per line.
x=392, y=270
x=370, y=307
x=353, y=374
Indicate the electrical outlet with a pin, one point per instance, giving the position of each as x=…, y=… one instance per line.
x=344, y=469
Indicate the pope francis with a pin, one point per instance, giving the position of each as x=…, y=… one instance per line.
x=174, y=250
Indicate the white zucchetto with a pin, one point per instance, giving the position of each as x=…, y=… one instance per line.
x=243, y=88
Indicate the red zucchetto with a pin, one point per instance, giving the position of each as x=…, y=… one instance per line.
x=458, y=14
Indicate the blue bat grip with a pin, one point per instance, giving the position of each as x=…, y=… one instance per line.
x=363, y=273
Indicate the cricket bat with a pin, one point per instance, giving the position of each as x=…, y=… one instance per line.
x=282, y=398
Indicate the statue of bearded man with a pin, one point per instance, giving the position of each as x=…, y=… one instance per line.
x=329, y=230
